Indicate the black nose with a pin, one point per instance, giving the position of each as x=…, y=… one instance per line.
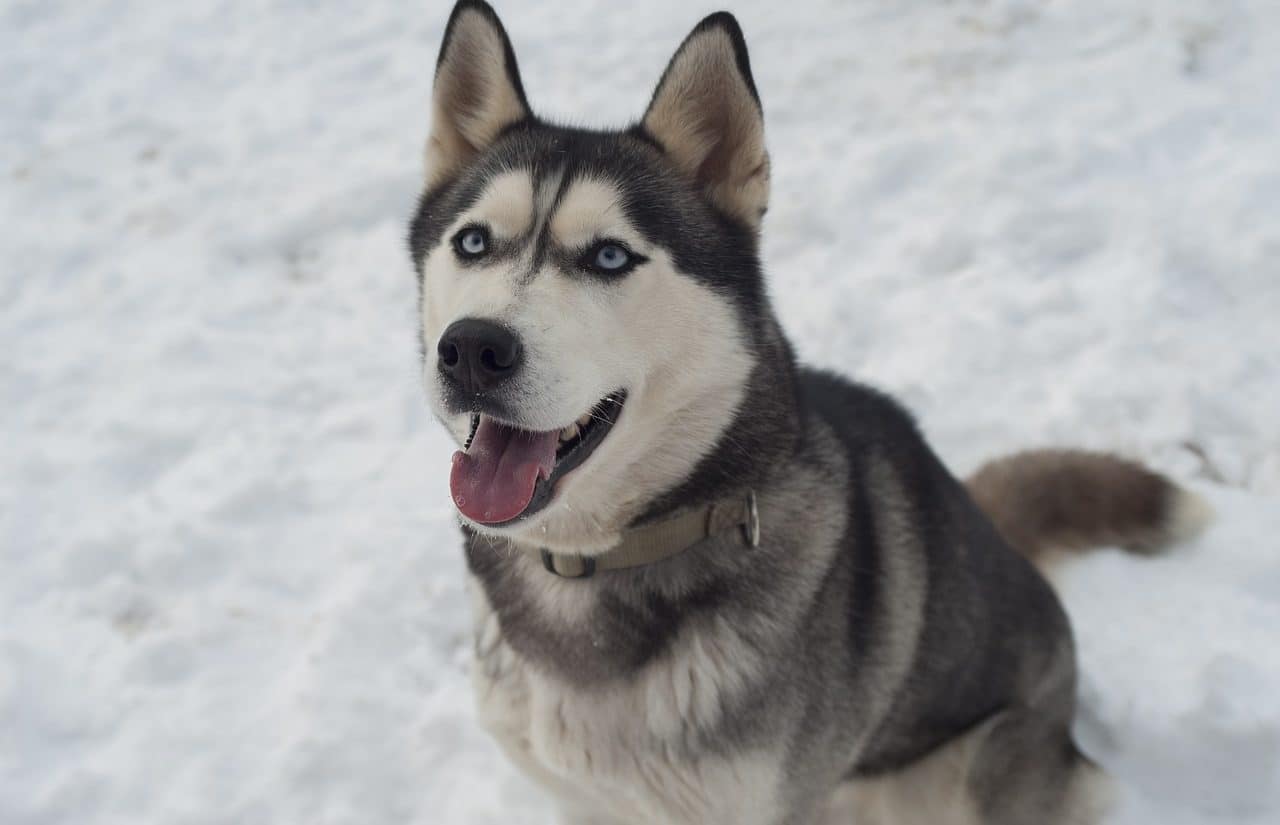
x=478, y=354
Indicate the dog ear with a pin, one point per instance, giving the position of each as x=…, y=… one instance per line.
x=706, y=114
x=477, y=89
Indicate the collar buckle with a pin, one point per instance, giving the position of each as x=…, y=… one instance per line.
x=586, y=565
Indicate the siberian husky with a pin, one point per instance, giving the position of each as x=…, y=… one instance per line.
x=712, y=585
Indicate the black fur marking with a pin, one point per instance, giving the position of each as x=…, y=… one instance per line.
x=628, y=626
x=864, y=588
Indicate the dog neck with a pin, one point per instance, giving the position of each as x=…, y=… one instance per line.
x=659, y=540
x=764, y=434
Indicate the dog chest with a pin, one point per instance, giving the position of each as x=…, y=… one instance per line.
x=625, y=752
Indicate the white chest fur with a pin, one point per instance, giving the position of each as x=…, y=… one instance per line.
x=621, y=754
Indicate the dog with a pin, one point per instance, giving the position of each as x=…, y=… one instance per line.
x=712, y=585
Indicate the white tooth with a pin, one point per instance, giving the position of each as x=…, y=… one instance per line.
x=569, y=432
x=584, y=420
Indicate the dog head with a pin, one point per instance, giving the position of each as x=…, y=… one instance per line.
x=592, y=307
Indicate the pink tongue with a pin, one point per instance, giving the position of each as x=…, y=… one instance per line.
x=493, y=480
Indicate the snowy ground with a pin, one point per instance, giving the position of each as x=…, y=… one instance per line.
x=230, y=588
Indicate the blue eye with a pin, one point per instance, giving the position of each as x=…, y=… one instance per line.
x=472, y=242
x=611, y=257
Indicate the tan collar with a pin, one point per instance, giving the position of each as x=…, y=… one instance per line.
x=660, y=540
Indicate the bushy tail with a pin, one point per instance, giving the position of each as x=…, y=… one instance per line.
x=1044, y=501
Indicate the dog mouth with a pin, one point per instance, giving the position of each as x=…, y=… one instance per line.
x=505, y=473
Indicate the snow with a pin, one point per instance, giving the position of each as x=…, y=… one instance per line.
x=231, y=588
